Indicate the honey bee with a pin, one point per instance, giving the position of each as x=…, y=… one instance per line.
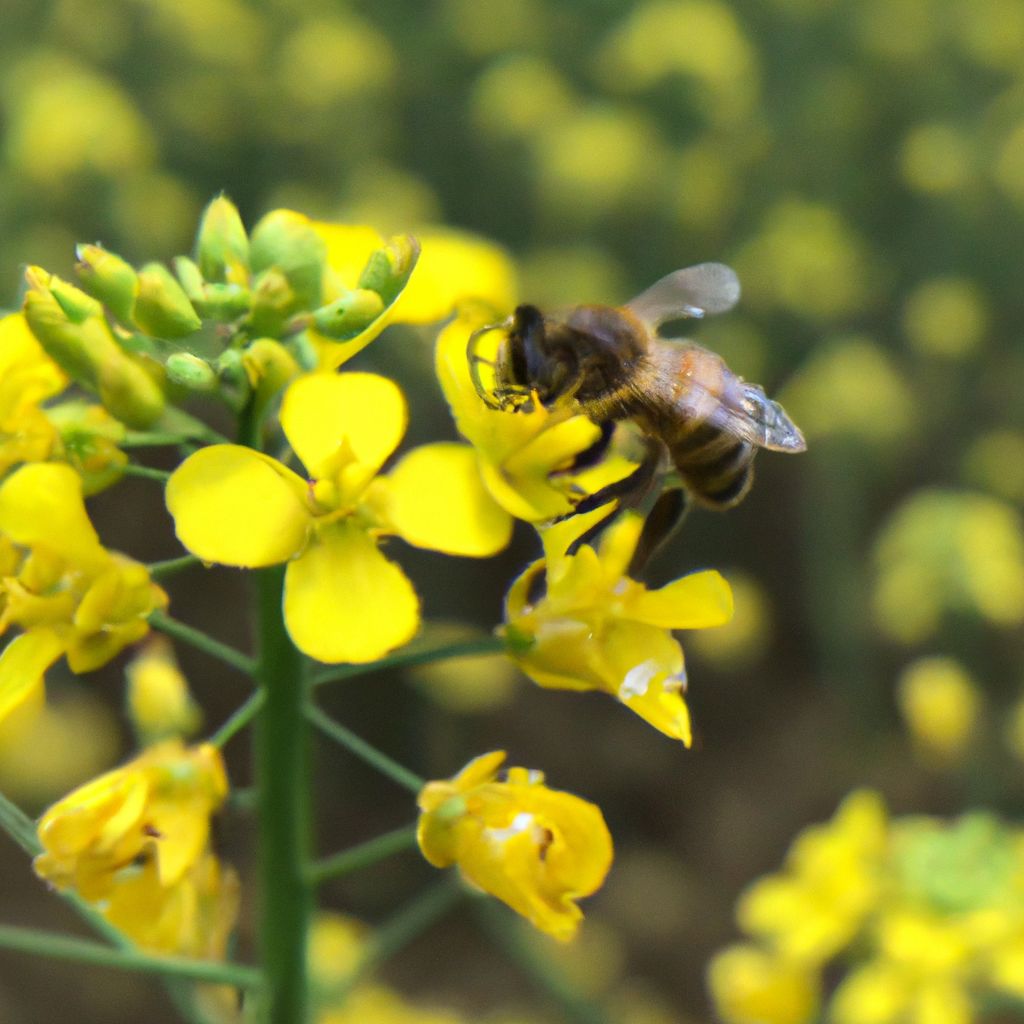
x=611, y=363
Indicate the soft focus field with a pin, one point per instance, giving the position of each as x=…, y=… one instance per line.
x=861, y=165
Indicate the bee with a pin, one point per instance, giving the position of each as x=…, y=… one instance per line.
x=612, y=364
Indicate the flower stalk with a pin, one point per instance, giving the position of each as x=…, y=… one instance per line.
x=282, y=779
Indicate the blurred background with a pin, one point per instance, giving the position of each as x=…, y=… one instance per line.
x=859, y=162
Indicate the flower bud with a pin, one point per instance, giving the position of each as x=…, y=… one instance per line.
x=107, y=277
x=273, y=301
x=159, y=701
x=162, y=308
x=388, y=269
x=189, y=276
x=287, y=241
x=222, y=246
x=234, y=380
x=348, y=315
x=90, y=437
x=76, y=304
x=223, y=302
x=191, y=372
x=269, y=365
x=129, y=392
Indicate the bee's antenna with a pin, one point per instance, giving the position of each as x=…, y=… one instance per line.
x=475, y=359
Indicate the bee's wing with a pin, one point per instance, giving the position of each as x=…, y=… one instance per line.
x=762, y=422
x=691, y=292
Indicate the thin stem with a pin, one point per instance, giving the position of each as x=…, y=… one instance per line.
x=282, y=777
x=171, y=566
x=146, y=472
x=397, y=932
x=66, y=947
x=365, y=751
x=202, y=642
x=412, y=656
x=239, y=719
x=507, y=931
x=19, y=826
x=362, y=856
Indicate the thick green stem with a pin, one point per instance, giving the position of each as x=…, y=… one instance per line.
x=283, y=780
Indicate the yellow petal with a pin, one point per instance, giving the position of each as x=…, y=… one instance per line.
x=23, y=664
x=437, y=500
x=236, y=506
x=41, y=506
x=348, y=248
x=344, y=601
x=455, y=268
x=696, y=601
x=321, y=410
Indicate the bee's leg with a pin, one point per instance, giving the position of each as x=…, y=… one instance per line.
x=631, y=489
x=661, y=524
x=591, y=456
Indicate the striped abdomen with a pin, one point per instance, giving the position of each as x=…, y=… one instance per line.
x=716, y=466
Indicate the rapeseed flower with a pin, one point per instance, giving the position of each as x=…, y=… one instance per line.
x=537, y=849
x=928, y=917
x=135, y=843
x=344, y=601
x=69, y=594
x=526, y=457
x=27, y=377
x=594, y=628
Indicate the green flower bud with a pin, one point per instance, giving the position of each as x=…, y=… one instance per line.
x=107, y=277
x=129, y=392
x=191, y=372
x=162, y=308
x=287, y=241
x=190, y=277
x=269, y=366
x=272, y=303
x=388, y=269
x=234, y=380
x=75, y=347
x=90, y=437
x=222, y=246
x=76, y=304
x=348, y=315
x=223, y=302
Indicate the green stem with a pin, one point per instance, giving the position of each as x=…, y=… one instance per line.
x=85, y=951
x=19, y=826
x=507, y=931
x=362, y=856
x=365, y=751
x=282, y=778
x=412, y=920
x=412, y=656
x=171, y=566
x=239, y=720
x=202, y=642
x=146, y=472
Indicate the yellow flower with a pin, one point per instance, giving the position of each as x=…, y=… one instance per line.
x=155, y=809
x=752, y=986
x=429, y=278
x=344, y=601
x=194, y=917
x=526, y=457
x=831, y=883
x=27, y=377
x=536, y=849
x=159, y=701
x=941, y=705
x=67, y=592
x=594, y=628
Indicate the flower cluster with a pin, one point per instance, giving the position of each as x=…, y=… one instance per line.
x=59, y=585
x=135, y=843
x=927, y=916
